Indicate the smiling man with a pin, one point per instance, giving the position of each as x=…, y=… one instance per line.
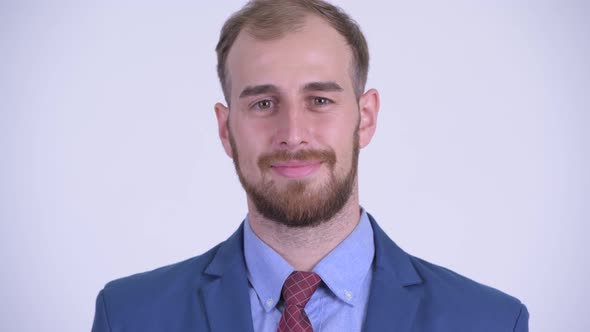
x=307, y=257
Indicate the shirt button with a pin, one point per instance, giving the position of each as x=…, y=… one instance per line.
x=348, y=295
x=269, y=302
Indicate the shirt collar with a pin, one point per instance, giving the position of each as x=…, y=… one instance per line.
x=345, y=268
x=342, y=270
x=267, y=270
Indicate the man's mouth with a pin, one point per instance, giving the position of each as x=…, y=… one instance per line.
x=294, y=169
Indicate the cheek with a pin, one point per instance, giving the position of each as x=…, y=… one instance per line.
x=247, y=152
x=345, y=159
x=340, y=133
x=253, y=138
x=341, y=142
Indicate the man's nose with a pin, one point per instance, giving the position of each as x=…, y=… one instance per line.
x=292, y=128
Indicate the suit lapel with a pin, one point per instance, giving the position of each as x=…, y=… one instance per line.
x=226, y=298
x=395, y=288
x=391, y=307
x=393, y=302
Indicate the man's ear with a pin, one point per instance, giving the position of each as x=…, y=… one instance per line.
x=368, y=107
x=222, y=114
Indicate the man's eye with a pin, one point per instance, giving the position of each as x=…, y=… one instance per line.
x=264, y=104
x=320, y=101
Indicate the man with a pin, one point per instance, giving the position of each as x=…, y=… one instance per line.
x=307, y=257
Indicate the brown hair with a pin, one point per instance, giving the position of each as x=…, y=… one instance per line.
x=269, y=19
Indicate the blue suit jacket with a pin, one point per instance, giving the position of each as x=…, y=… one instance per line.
x=210, y=293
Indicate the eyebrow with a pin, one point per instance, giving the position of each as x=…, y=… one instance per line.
x=258, y=90
x=322, y=86
x=273, y=89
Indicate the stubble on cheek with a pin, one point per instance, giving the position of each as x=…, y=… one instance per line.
x=298, y=203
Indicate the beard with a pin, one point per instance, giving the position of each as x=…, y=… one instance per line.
x=298, y=204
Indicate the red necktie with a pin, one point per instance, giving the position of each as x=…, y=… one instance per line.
x=297, y=290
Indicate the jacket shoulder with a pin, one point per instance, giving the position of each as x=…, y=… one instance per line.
x=189, y=271
x=167, y=291
x=456, y=297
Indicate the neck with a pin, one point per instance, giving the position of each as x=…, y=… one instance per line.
x=304, y=247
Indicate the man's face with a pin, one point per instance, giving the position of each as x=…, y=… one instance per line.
x=293, y=127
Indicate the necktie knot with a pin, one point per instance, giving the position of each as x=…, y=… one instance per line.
x=299, y=287
x=297, y=290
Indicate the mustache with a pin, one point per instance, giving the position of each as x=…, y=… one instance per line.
x=327, y=156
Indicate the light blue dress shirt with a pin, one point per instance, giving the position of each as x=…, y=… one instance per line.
x=340, y=302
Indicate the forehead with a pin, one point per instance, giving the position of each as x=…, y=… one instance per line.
x=314, y=52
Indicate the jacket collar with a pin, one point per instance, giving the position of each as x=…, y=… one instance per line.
x=391, y=259
x=395, y=295
x=226, y=296
x=393, y=301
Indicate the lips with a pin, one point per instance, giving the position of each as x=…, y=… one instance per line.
x=296, y=168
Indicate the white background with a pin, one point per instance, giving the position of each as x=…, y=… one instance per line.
x=110, y=162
